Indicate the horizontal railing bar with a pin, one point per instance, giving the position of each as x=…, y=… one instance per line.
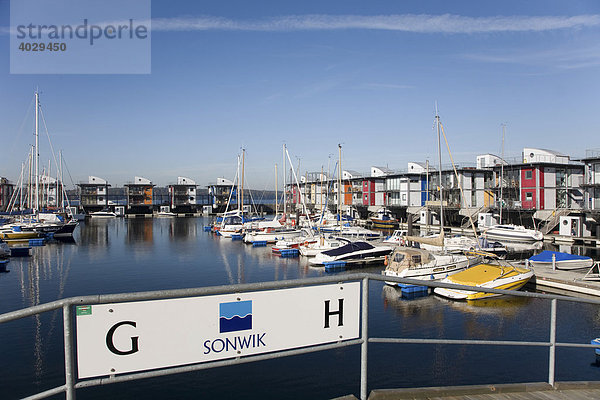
x=597, y=346
x=29, y=311
x=214, y=364
x=47, y=393
x=459, y=341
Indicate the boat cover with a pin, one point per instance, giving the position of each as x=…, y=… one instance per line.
x=546, y=256
x=349, y=248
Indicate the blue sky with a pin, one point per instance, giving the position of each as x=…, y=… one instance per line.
x=312, y=74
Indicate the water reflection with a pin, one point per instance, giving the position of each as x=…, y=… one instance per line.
x=140, y=230
x=43, y=278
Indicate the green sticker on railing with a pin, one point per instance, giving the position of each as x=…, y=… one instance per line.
x=84, y=310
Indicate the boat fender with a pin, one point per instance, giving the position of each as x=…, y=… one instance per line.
x=385, y=262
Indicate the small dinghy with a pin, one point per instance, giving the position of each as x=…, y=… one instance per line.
x=563, y=260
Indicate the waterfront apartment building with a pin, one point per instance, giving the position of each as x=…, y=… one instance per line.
x=93, y=194
x=410, y=188
x=591, y=180
x=544, y=180
x=139, y=196
x=182, y=195
x=6, y=192
x=221, y=191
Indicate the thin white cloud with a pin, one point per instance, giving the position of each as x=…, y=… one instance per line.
x=563, y=58
x=417, y=23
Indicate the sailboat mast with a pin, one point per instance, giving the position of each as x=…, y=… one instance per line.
x=339, y=185
x=37, y=152
x=243, y=160
x=237, y=183
x=321, y=178
x=502, y=172
x=437, y=123
x=60, y=181
x=284, y=187
x=30, y=185
x=276, y=191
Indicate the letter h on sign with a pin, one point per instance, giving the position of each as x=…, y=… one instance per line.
x=339, y=313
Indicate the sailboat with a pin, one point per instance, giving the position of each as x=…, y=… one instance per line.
x=58, y=222
x=232, y=222
x=423, y=264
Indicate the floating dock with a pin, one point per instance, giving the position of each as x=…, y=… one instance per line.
x=289, y=252
x=335, y=266
x=412, y=291
x=568, y=282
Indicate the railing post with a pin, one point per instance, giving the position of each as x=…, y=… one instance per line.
x=552, y=355
x=68, y=338
x=365, y=338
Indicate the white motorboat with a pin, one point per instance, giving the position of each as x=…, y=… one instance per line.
x=413, y=263
x=397, y=237
x=511, y=232
x=322, y=244
x=352, y=232
x=498, y=275
x=103, y=214
x=166, y=214
x=353, y=252
x=272, y=235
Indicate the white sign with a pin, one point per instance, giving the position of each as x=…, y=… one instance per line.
x=127, y=337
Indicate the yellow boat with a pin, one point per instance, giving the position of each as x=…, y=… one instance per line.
x=12, y=234
x=500, y=275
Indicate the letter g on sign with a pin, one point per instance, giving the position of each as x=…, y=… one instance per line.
x=110, y=344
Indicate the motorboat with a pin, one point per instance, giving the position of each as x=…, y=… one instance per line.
x=16, y=232
x=460, y=243
x=453, y=243
x=397, y=237
x=416, y=263
x=166, y=214
x=271, y=235
x=294, y=243
x=497, y=275
x=321, y=245
x=353, y=252
x=352, y=232
x=511, y=232
x=106, y=213
x=562, y=260
x=384, y=219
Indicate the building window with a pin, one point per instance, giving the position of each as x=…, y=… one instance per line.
x=528, y=196
x=528, y=174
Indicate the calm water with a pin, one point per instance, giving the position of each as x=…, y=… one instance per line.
x=112, y=256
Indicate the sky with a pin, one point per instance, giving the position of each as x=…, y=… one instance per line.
x=227, y=75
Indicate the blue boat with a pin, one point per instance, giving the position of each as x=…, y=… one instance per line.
x=562, y=260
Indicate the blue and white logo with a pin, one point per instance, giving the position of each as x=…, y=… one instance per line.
x=235, y=316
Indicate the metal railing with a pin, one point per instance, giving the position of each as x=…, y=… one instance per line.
x=72, y=383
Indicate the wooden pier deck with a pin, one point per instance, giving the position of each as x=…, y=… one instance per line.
x=518, y=391
x=569, y=282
